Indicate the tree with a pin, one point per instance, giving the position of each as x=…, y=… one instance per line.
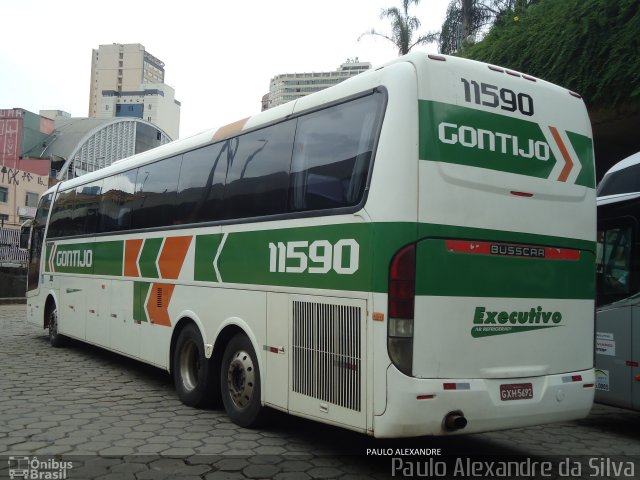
x=466, y=19
x=588, y=46
x=403, y=28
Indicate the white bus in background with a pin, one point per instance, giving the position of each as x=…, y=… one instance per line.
x=410, y=252
x=618, y=286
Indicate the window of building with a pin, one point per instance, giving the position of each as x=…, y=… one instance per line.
x=4, y=217
x=4, y=194
x=31, y=199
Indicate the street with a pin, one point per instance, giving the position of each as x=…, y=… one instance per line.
x=95, y=414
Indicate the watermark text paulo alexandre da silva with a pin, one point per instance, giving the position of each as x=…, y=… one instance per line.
x=406, y=463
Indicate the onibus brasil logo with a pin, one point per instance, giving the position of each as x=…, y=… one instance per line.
x=488, y=323
x=33, y=468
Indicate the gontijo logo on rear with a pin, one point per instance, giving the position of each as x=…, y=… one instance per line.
x=501, y=141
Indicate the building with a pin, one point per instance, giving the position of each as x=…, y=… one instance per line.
x=24, y=173
x=23, y=178
x=286, y=87
x=81, y=145
x=127, y=81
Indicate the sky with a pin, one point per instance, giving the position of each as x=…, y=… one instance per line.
x=219, y=56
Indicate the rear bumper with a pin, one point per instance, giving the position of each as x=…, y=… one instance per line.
x=555, y=398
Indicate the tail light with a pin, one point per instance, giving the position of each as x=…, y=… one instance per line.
x=401, y=298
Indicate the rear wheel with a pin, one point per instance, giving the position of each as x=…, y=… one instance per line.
x=193, y=373
x=240, y=383
x=55, y=339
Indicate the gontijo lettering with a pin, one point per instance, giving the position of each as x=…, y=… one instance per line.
x=493, y=141
x=74, y=258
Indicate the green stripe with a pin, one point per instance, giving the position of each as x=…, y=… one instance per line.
x=486, y=140
x=108, y=258
x=444, y=273
x=140, y=291
x=206, y=248
x=433, y=230
x=69, y=258
x=148, y=257
x=583, y=147
x=246, y=259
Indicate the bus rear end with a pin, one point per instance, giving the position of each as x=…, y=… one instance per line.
x=490, y=310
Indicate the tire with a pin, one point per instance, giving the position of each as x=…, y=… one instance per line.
x=56, y=339
x=193, y=374
x=240, y=383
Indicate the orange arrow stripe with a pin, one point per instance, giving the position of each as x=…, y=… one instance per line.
x=568, y=163
x=158, y=303
x=172, y=256
x=131, y=252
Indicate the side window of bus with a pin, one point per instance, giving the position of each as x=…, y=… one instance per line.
x=116, y=201
x=155, y=194
x=85, y=213
x=613, y=263
x=258, y=176
x=332, y=154
x=201, y=184
x=61, y=223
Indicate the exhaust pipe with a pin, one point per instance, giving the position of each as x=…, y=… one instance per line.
x=454, y=421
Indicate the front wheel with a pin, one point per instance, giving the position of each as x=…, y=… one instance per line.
x=240, y=383
x=55, y=339
x=193, y=373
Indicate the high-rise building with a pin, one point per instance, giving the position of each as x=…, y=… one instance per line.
x=286, y=87
x=127, y=81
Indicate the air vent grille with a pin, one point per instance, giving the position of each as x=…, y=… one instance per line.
x=327, y=353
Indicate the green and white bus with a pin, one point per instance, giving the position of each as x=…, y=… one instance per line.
x=410, y=252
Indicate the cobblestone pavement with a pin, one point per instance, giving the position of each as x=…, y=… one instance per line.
x=114, y=418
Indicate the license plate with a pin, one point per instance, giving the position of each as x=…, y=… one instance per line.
x=516, y=391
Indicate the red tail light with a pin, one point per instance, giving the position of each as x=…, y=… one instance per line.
x=402, y=283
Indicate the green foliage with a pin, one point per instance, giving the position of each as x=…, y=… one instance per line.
x=589, y=46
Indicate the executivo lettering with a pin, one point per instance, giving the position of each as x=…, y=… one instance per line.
x=489, y=323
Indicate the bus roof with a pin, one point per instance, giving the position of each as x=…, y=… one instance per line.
x=626, y=163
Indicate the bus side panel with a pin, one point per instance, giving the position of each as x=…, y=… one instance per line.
x=614, y=334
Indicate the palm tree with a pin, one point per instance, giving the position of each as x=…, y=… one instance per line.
x=403, y=28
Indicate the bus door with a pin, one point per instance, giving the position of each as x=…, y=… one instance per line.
x=35, y=245
x=618, y=314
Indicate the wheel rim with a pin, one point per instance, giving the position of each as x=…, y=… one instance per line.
x=53, y=323
x=241, y=379
x=189, y=365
